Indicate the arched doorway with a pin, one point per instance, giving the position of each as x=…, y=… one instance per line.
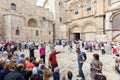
x=116, y=27
x=89, y=32
x=75, y=33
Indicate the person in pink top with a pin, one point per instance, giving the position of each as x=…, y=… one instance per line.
x=42, y=52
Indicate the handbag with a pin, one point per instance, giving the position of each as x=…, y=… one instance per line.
x=100, y=76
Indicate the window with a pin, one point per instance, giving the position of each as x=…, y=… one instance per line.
x=13, y=7
x=37, y=33
x=17, y=32
x=89, y=5
x=76, y=10
x=32, y=23
x=59, y=3
x=60, y=19
x=112, y=1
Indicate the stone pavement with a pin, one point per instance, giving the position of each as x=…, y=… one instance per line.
x=68, y=62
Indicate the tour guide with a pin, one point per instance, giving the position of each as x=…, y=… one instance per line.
x=52, y=59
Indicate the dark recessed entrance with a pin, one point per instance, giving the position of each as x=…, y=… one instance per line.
x=77, y=36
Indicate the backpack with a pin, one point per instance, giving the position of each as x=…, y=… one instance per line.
x=100, y=76
x=85, y=56
x=12, y=75
x=38, y=76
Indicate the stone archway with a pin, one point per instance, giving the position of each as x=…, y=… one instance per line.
x=116, y=21
x=116, y=38
x=89, y=31
x=75, y=32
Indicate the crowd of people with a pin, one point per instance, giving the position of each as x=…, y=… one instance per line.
x=17, y=66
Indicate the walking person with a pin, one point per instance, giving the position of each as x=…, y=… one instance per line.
x=31, y=50
x=115, y=50
x=83, y=44
x=96, y=66
x=42, y=52
x=102, y=49
x=52, y=59
x=81, y=60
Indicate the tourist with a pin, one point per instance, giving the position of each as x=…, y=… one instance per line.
x=16, y=54
x=81, y=60
x=70, y=46
x=117, y=64
x=56, y=74
x=27, y=60
x=30, y=65
x=103, y=50
x=1, y=64
x=40, y=63
x=42, y=52
x=35, y=68
x=115, y=50
x=83, y=44
x=37, y=74
x=21, y=58
x=20, y=46
x=9, y=59
x=7, y=69
x=47, y=74
x=36, y=44
x=90, y=46
x=86, y=46
x=31, y=50
x=96, y=66
x=69, y=76
x=52, y=59
x=16, y=74
x=107, y=48
x=0, y=47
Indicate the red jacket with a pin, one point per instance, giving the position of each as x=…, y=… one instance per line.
x=52, y=58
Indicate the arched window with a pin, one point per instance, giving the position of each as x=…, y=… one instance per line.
x=76, y=10
x=17, y=32
x=13, y=6
x=37, y=33
x=89, y=5
x=32, y=22
x=116, y=21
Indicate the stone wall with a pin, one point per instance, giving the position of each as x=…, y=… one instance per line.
x=13, y=20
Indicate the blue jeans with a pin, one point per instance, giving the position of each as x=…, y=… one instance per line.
x=81, y=74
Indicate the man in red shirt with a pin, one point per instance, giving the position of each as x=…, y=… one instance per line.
x=52, y=59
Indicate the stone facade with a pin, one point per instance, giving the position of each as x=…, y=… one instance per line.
x=23, y=20
x=112, y=26
x=60, y=19
x=92, y=19
x=57, y=7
